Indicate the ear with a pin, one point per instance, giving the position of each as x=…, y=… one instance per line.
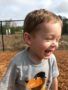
x=27, y=38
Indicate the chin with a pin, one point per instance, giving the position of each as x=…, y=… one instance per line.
x=46, y=57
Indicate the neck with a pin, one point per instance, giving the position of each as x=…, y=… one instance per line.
x=33, y=56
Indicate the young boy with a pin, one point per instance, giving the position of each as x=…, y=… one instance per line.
x=35, y=68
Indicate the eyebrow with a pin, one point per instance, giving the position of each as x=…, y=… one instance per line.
x=52, y=35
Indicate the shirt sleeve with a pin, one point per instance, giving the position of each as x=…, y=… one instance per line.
x=8, y=81
x=55, y=71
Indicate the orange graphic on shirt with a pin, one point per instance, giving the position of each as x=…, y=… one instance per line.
x=37, y=83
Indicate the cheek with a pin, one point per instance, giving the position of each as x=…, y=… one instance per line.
x=41, y=44
x=47, y=44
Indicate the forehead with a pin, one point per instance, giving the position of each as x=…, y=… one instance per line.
x=49, y=27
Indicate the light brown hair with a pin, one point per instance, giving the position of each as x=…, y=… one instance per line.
x=36, y=17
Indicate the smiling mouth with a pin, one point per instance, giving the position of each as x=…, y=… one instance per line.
x=48, y=52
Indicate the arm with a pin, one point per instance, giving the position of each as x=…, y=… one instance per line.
x=55, y=73
x=55, y=84
x=8, y=81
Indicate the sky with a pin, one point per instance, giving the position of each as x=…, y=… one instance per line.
x=18, y=9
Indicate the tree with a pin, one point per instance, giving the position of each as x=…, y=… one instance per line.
x=65, y=26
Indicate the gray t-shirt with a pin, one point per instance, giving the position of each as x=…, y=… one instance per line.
x=26, y=74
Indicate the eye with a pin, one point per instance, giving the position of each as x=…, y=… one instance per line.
x=59, y=39
x=49, y=38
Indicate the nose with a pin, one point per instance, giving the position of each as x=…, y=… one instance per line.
x=54, y=44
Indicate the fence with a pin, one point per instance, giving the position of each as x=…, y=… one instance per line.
x=11, y=37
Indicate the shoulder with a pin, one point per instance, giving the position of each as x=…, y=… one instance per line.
x=54, y=66
x=19, y=57
x=52, y=59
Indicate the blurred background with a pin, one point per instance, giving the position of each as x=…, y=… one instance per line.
x=12, y=14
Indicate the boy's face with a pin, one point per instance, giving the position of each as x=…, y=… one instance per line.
x=45, y=41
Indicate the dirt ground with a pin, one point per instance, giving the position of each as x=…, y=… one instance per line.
x=62, y=59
